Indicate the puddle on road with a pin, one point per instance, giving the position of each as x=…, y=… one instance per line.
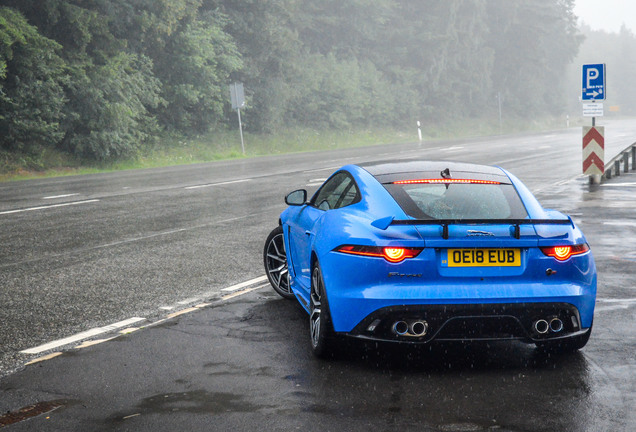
x=194, y=402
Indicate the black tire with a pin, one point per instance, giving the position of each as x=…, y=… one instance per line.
x=321, y=332
x=565, y=346
x=275, y=260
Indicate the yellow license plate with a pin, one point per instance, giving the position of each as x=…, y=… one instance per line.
x=484, y=257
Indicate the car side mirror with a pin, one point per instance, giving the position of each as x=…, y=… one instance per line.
x=296, y=198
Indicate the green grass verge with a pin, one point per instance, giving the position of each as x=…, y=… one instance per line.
x=179, y=150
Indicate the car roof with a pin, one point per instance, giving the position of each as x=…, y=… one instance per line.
x=389, y=171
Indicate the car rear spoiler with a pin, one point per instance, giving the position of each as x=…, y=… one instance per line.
x=386, y=222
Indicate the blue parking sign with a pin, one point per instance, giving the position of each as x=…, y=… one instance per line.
x=593, y=82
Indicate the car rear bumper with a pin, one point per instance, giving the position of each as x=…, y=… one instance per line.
x=355, y=296
x=420, y=324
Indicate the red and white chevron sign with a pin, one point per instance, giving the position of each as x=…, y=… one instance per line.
x=593, y=150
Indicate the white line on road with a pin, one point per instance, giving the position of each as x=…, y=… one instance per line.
x=245, y=284
x=59, y=196
x=216, y=184
x=83, y=335
x=48, y=207
x=233, y=293
x=189, y=301
x=620, y=223
x=617, y=184
x=240, y=293
x=612, y=300
x=611, y=308
x=614, y=304
x=322, y=169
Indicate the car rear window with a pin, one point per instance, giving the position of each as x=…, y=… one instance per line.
x=458, y=201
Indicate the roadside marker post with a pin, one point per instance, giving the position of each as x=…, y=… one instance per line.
x=237, y=97
x=593, y=152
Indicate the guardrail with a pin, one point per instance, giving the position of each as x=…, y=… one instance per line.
x=621, y=158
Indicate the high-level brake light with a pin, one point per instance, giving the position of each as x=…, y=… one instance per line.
x=445, y=181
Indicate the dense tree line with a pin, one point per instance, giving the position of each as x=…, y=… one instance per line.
x=101, y=78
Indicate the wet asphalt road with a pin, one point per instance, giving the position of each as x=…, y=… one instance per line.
x=244, y=363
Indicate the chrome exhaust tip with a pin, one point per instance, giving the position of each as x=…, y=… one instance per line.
x=419, y=328
x=556, y=325
x=400, y=328
x=541, y=326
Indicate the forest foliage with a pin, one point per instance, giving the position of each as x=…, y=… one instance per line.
x=101, y=79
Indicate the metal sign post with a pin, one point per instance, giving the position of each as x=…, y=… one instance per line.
x=237, y=97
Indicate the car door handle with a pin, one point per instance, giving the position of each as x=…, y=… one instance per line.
x=308, y=233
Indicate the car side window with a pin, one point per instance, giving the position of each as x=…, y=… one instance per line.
x=339, y=191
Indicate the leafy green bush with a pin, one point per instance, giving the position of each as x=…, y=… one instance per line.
x=32, y=76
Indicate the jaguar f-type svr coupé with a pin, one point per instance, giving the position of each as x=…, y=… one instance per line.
x=416, y=252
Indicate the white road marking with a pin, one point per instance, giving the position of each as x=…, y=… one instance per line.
x=83, y=335
x=610, y=308
x=91, y=343
x=59, y=196
x=620, y=223
x=614, y=304
x=188, y=301
x=240, y=293
x=322, y=169
x=217, y=184
x=125, y=325
x=315, y=182
x=611, y=300
x=618, y=184
x=245, y=284
x=48, y=207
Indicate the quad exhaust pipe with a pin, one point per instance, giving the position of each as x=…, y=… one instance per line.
x=416, y=328
x=556, y=325
x=543, y=326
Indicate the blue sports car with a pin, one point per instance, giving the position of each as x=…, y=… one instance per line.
x=416, y=252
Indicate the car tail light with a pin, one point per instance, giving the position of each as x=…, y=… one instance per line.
x=391, y=254
x=562, y=253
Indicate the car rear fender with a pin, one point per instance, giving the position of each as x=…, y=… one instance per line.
x=336, y=229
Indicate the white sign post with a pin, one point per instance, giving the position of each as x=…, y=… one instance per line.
x=237, y=97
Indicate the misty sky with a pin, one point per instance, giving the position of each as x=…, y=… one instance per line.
x=607, y=15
